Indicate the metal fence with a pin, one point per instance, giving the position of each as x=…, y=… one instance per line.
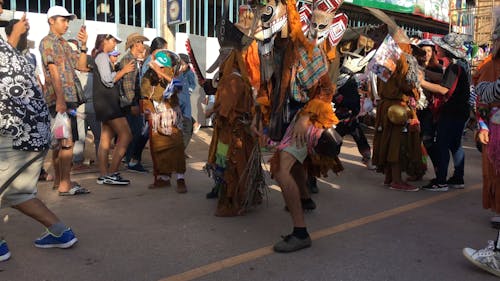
x=141, y=13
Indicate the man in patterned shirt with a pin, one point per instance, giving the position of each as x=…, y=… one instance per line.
x=131, y=87
x=24, y=140
x=64, y=91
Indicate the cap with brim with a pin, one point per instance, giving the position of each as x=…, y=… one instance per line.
x=58, y=11
x=162, y=59
x=117, y=39
x=133, y=38
x=114, y=53
x=452, y=42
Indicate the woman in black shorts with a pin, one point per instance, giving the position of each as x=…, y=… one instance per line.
x=108, y=110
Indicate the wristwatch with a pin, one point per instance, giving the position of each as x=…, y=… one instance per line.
x=84, y=50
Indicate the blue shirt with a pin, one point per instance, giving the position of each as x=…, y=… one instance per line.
x=188, y=86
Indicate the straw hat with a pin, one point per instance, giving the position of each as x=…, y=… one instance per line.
x=133, y=38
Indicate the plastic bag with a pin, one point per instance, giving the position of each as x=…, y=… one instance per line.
x=62, y=127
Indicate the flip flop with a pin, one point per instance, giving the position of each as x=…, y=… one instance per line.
x=75, y=190
x=73, y=183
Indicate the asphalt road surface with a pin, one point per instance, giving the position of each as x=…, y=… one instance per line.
x=361, y=230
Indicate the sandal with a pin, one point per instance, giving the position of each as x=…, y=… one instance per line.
x=73, y=183
x=75, y=190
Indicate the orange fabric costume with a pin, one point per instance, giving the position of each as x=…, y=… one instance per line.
x=232, y=143
x=393, y=143
x=489, y=72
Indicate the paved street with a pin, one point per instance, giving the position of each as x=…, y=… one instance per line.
x=361, y=230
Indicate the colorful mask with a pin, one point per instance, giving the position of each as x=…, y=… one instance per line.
x=272, y=19
x=321, y=22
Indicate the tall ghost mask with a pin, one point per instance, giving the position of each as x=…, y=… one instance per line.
x=272, y=19
x=319, y=21
x=320, y=25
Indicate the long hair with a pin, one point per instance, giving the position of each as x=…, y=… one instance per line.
x=157, y=43
x=23, y=40
x=99, y=44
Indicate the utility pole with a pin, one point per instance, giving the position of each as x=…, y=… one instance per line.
x=166, y=31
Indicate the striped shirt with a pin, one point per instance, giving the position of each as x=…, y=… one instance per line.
x=489, y=92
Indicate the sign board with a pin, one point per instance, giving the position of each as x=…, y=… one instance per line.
x=175, y=11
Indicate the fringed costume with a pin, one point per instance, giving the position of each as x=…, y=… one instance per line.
x=397, y=142
x=312, y=98
x=232, y=143
x=489, y=72
x=167, y=148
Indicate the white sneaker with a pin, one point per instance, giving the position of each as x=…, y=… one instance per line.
x=487, y=259
x=114, y=179
x=369, y=165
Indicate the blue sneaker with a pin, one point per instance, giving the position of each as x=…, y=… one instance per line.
x=4, y=251
x=49, y=240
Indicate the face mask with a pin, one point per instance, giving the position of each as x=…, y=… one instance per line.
x=272, y=19
x=320, y=25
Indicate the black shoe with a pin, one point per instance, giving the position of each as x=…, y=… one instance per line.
x=214, y=193
x=308, y=204
x=456, y=182
x=312, y=184
x=291, y=243
x=434, y=186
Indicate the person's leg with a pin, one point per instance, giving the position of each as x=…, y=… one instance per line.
x=443, y=152
x=428, y=133
x=121, y=128
x=65, y=158
x=397, y=181
x=187, y=131
x=79, y=146
x=457, y=150
x=95, y=127
x=361, y=142
x=134, y=127
x=299, y=238
x=301, y=178
x=37, y=210
x=55, y=163
x=107, y=135
x=137, y=144
x=290, y=189
x=140, y=142
x=20, y=194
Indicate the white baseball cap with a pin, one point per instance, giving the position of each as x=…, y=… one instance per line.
x=59, y=11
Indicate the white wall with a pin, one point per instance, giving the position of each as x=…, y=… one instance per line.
x=206, y=51
x=39, y=28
